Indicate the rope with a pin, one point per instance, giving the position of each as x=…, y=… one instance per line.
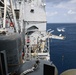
x=36, y=65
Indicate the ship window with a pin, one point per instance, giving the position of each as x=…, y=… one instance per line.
x=17, y=13
x=32, y=10
x=19, y=2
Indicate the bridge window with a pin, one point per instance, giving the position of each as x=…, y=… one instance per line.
x=32, y=10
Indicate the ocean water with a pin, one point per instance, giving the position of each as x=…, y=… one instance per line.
x=63, y=52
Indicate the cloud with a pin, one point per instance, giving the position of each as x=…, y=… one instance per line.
x=71, y=12
x=65, y=4
x=75, y=18
x=73, y=1
x=61, y=5
x=57, y=1
x=51, y=13
x=61, y=10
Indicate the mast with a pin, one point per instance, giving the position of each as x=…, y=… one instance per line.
x=8, y=10
x=4, y=21
x=15, y=22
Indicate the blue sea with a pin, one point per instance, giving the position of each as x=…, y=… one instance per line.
x=63, y=52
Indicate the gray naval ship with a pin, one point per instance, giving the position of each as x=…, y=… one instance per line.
x=24, y=41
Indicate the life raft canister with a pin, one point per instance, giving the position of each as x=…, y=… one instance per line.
x=28, y=40
x=11, y=24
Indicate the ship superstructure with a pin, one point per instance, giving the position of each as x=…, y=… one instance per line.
x=32, y=19
x=33, y=15
x=28, y=36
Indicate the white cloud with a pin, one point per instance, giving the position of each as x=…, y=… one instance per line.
x=62, y=5
x=57, y=1
x=64, y=11
x=65, y=14
x=71, y=12
x=51, y=13
x=73, y=1
x=67, y=5
x=74, y=18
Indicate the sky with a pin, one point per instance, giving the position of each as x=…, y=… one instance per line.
x=61, y=11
